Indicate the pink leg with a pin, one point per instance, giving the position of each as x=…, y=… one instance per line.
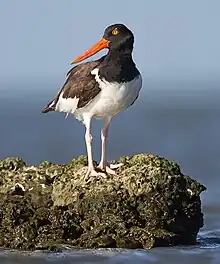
x=88, y=138
x=103, y=163
x=104, y=137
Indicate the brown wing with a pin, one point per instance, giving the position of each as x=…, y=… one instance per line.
x=80, y=83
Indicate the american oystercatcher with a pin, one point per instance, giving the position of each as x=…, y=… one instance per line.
x=101, y=89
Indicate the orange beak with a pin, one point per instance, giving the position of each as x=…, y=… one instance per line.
x=102, y=44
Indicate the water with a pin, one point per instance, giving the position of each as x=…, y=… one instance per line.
x=175, y=119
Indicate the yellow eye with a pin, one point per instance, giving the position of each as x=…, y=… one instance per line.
x=115, y=31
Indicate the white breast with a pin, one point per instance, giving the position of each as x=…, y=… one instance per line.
x=113, y=98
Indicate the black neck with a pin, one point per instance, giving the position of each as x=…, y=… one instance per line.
x=118, y=66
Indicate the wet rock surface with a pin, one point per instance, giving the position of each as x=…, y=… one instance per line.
x=149, y=203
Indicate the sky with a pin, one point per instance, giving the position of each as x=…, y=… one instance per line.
x=173, y=38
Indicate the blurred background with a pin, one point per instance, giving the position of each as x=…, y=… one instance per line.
x=177, y=51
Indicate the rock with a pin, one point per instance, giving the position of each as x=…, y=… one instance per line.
x=149, y=203
x=11, y=164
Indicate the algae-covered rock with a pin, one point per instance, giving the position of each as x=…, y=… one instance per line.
x=149, y=203
x=15, y=176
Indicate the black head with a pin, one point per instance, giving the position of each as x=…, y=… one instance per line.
x=119, y=37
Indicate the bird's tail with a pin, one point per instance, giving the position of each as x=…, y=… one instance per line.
x=51, y=106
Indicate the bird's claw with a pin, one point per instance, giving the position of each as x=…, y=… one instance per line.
x=93, y=173
x=116, y=166
x=111, y=168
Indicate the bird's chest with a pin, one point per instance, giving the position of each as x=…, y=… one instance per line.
x=116, y=93
x=115, y=97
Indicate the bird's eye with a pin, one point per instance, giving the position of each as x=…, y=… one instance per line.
x=115, y=31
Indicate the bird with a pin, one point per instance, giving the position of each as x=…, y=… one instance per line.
x=100, y=89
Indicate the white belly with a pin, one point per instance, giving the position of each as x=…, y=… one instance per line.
x=113, y=98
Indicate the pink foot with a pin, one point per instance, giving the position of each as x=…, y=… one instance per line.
x=111, y=168
x=91, y=172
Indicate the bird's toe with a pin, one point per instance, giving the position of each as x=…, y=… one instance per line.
x=116, y=166
x=111, y=168
x=94, y=173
